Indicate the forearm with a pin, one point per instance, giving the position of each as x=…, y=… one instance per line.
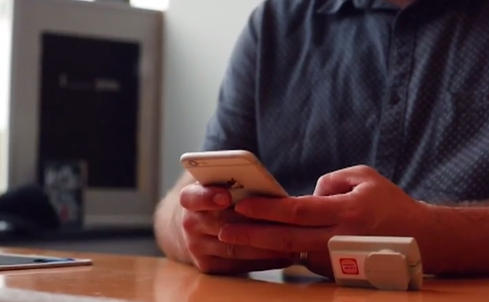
x=168, y=234
x=454, y=240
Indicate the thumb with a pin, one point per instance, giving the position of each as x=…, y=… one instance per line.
x=197, y=198
x=332, y=184
x=343, y=181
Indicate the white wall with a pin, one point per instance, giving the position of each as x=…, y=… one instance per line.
x=148, y=4
x=199, y=37
x=5, y=42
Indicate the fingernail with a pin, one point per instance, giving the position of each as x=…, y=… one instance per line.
x=242, y=209
x=221, y=199
x=224, y=234
x=245, y=208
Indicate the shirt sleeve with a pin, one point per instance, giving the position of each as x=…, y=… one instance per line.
x=233, y=124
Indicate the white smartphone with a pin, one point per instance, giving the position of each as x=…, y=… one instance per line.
x=237, y=170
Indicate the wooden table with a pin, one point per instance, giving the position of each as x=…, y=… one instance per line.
x=123, y=278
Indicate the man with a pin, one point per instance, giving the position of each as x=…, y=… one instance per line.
x=374, y=114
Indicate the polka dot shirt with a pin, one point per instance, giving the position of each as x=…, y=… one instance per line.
x=314, y=86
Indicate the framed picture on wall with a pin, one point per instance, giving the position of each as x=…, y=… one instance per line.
x=86, y=86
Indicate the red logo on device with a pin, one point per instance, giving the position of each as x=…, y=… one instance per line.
x=349, y=266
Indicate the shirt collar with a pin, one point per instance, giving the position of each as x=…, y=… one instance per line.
x=333, y=6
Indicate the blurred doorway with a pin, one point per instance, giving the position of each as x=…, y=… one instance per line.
x=5, y=48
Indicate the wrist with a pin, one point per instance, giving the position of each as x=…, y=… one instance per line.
x=436, y=247
x=168, y=230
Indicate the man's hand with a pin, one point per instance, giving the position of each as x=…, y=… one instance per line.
x=205, y=211
x=353, y=201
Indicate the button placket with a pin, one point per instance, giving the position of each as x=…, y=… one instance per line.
x=390, y=138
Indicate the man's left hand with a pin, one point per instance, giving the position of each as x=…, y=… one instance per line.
x=352, y=201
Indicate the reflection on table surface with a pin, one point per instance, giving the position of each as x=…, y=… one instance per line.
x=151, y=279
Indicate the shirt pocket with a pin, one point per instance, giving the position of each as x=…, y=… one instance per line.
x=460, y=158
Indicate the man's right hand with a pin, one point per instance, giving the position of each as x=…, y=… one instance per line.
x=205, y=211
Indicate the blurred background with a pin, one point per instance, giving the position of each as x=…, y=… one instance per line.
x=98, y=99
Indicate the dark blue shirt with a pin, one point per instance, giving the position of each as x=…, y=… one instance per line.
x=318, y=85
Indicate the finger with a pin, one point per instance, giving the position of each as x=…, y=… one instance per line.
x=210, y=223
x=217, y=265
x=344, y=180
x=278, y=238
x=210, y=245
x=197, y=198
x=330, y=184
x=302, y=211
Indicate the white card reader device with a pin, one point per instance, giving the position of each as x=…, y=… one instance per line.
x=384, y=263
